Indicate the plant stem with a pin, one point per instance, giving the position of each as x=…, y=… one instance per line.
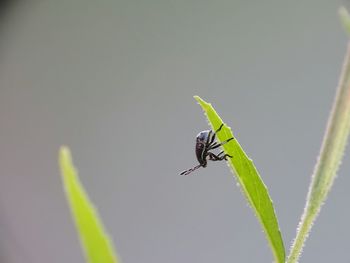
x=331, y=154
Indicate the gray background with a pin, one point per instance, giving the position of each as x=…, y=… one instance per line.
x=114, y=80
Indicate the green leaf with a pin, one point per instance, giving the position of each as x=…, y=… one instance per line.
x=248, y=177
x=345, y=19
x=95, y=242
x=331, y=154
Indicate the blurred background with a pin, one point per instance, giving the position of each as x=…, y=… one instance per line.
x=115, y=81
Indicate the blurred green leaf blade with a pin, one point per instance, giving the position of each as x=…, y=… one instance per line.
x=345, y=19
x=249, y=179
x=96, y=244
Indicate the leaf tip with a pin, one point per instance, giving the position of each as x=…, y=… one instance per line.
x=66, y=162
x=64, y=152
x=201, y=102
x=197, y=98
x=64, y=155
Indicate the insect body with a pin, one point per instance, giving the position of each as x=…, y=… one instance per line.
x=205, y=142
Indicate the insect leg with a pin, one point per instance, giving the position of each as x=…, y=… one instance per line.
x=212, y=139
x=209, y=138
x=214, y=157
x=226, y=155
x=222, y=124
x=214, y=135
x=216, y=145
x=220, y=153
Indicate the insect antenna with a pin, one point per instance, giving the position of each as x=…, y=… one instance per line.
x=187, y=172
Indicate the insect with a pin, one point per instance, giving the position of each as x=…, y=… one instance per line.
x=205, y=141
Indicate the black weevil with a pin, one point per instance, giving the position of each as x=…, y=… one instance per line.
x=205, y=141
